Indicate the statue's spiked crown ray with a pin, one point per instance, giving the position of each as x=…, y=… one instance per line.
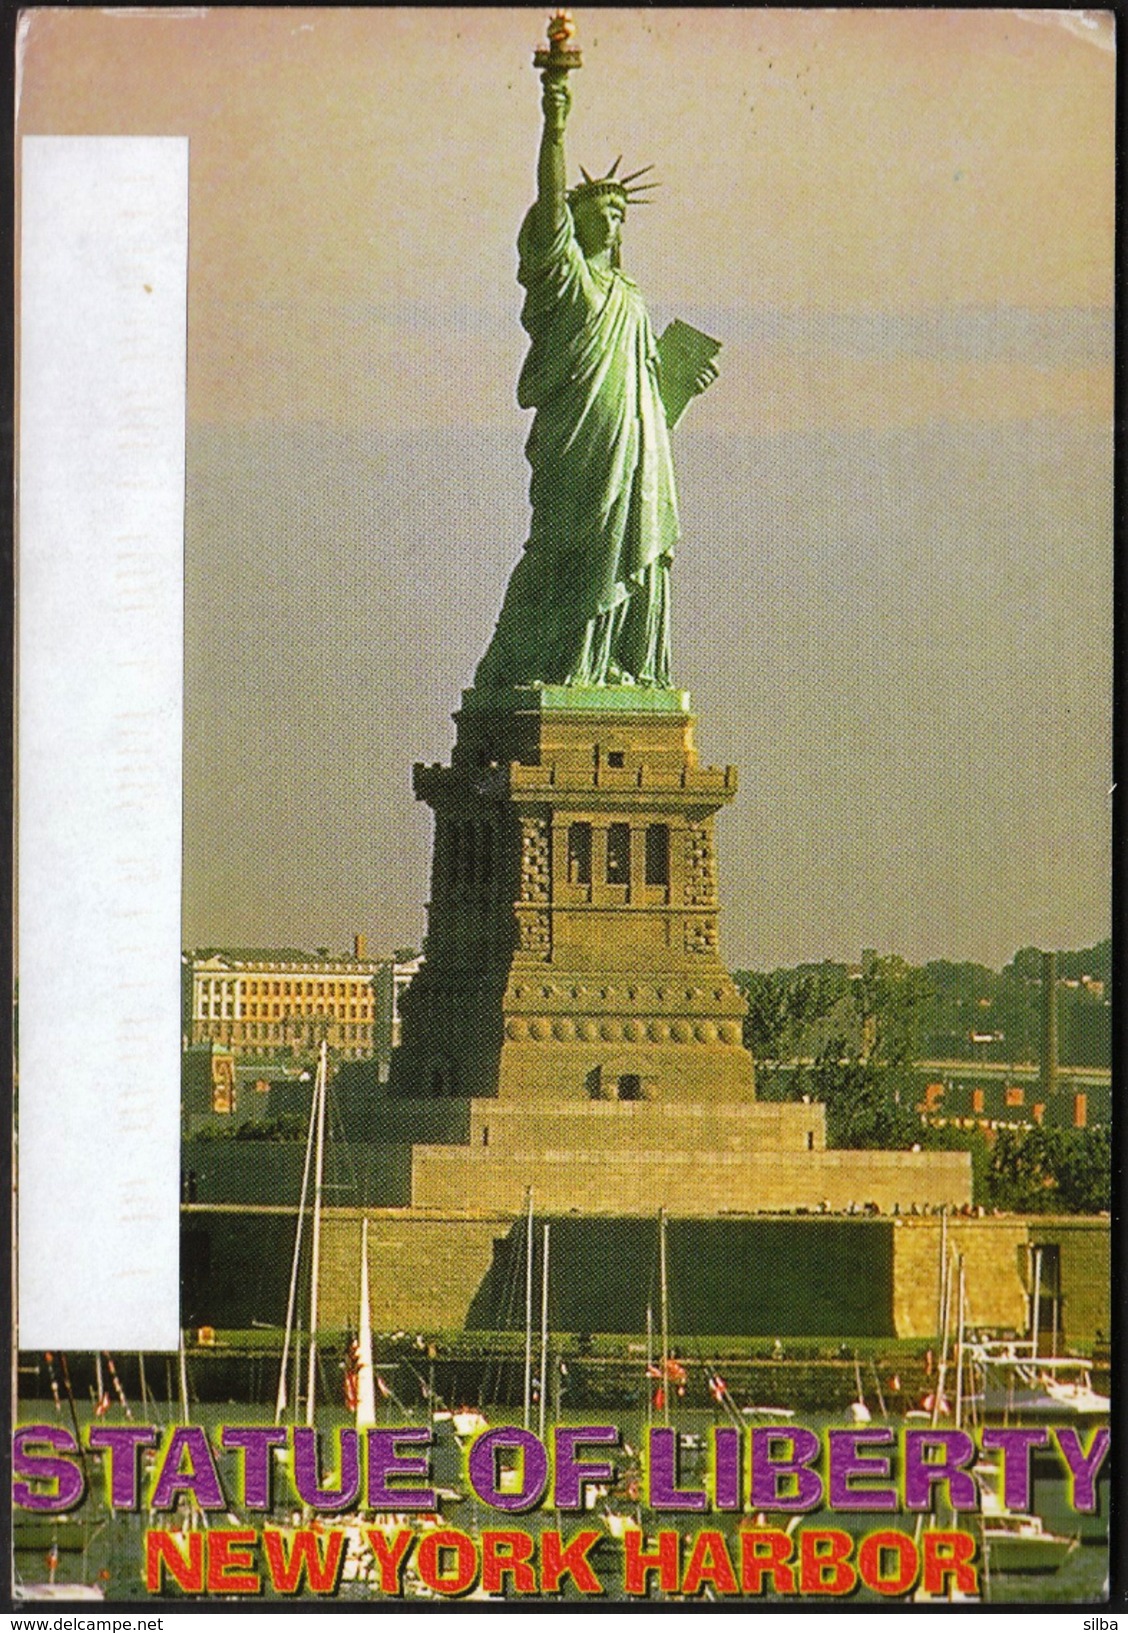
x=612, y=185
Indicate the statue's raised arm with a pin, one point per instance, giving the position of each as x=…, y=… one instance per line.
x=552, y=176
x=588, y=603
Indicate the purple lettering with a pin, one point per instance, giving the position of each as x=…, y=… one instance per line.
x=957, y=1450
x=307, y=1471
x=1016, y=1446
x=256, y=1446
x=201, y=1477
x=486, y=1480
x=662, y=1462
x=1083, y=1466
x=573, y=1476
x=70, y=1483
x=847, y=1459
x=727, y=1496
x=385, y=1463
x=768, y=1474
x=123, y=1445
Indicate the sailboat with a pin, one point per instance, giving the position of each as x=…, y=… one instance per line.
x=1016, y=1542
x=1023, y=1386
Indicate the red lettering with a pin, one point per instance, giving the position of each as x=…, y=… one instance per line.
x=871, y=1557
x=949, y=1554
x=709, y=1562
x=823, y=1562
x=304, y=1558
x=231, y=1563
x=163, y=1552
x=390, y=1559
x=763, y=1550
x=640, y=1564
x=507, y=1553
x=558, y=1562
x=435, y=1548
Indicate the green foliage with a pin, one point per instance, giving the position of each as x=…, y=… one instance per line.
x=869, y=1106
x=871, y=1025
x=894, y=1002
x=291, y=1125
x=974, y=1140
x=1095, y=961
x=1026, y=964
x=786, y=1006
x=1034, y=1170
x=1051, y=1170
x=851, y=1039
x=876, y=1024
x=1083, y=1168
x=1092, y=961
x=894, y=1011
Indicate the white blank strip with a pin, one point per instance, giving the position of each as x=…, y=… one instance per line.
x=103, y=313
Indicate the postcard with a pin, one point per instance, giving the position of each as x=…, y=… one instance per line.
x=564, y=653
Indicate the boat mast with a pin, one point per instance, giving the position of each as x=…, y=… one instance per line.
x=366, y=1377
x=958, y=1414
x=183, y=1380
x=877, y=1387
x=942, y=1371
x=315, y=1251
x=938, y=1385
x=64, y=1367
x=280, y=1401
x=544, y=1337
x=665, y=1293
x=960, y=1313
x=528, y=1308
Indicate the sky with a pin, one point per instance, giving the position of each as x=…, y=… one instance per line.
x=892, y=602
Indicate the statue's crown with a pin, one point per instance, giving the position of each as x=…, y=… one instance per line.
x=612, y=186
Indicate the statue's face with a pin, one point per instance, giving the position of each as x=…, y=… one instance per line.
x=599, y=223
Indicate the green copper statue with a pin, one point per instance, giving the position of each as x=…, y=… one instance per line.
x=588, y=603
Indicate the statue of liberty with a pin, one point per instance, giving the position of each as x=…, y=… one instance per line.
x=588, y=604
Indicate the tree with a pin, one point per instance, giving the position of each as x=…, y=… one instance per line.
x=1083, y=1169
x=768, y=1013
x=1027, y=964
x=1051, y=1170
x=782, y=1006
x=868, y=1106
x=866, y=1079
x=951, y=1138
x=1020, y=1177
x=894, y=1001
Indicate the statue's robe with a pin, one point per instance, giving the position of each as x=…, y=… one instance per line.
x=588, y=603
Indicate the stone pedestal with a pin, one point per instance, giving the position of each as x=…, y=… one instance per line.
x=571, y=950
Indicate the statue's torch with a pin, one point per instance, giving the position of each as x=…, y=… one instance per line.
x=559, y=56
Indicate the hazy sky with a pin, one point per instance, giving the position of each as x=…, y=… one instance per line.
x=892, y=601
